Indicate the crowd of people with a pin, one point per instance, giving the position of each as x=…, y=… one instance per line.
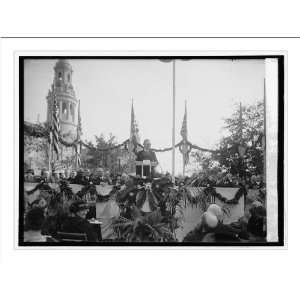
x=43, y=225
x=44, y=220
x=250, y=227
x=80, y=176
x=226, y=180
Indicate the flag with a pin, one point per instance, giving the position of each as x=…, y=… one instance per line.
x=185, y=149
x=183, y=130
x=79, y=133
x=55, y=126
x=79, y=128
x=78, y=159
x=134, y=130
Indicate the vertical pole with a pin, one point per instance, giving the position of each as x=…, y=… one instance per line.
x=76, y=157
x=173, y=125
x=50, y=154
x=241, y=124
x=264, y=137
x=183, y=169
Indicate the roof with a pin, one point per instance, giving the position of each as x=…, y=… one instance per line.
x=63, y=63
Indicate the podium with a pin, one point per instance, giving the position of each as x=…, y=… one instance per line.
x=143, y=168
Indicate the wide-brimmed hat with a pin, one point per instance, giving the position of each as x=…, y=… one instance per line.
x=78, y=206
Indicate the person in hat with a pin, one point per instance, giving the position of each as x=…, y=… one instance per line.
x=77, y=222
x=34, y=220
x=211, y=228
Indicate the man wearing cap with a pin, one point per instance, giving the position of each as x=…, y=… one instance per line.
x=77, y=222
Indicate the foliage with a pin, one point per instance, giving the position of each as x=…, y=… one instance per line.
x=205, y=163
x=35, y=152
x=109, y=159
x=246, y=131
x=244, y=128
x=143, y=228
x=158, y=225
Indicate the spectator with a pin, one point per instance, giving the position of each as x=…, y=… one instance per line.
x=257, y=221
x=33, y=225
x=72, y=177
x=80, y=179
x=55, y=218
x=56, y=178
x=45, y=176
x=117, y=180
x=212, y=229
x=77, y=222
x=107, y=177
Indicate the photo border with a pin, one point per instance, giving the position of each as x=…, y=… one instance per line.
x=280, y=163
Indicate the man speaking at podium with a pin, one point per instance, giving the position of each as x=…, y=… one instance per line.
x=146, y=155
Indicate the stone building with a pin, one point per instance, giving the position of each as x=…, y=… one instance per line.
x=68, y=108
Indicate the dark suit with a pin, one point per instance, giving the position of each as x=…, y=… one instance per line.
x=79, y=225
x=145, y=155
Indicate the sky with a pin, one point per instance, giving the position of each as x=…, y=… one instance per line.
x=105, y=88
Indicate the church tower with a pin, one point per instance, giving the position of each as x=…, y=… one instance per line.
x=66, y=100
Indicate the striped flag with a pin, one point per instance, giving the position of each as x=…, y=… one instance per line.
x=134, y=130
x=79, y=128
x=79, y=133
x=55, y=126
x=183, y=130
x=78, y=159
x=184, y=149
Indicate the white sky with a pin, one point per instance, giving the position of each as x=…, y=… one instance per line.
x=105, y=88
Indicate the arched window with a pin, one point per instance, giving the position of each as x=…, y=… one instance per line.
x=60, y=75
x=72, y=109
x=69, y=77
x=64, y=110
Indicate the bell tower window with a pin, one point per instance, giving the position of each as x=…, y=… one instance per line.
x=64, y=110
x=60, y=75
x=72, y=112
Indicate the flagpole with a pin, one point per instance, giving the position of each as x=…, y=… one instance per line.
x=78, y=135
x=183, y=169
x=49, y=153
x=76, y=157
x=184, y=145
x=265, y=136
x=173, y=125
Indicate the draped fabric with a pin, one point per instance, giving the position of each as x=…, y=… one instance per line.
x=55, y=126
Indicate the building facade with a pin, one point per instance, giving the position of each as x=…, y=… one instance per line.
x=62, y=89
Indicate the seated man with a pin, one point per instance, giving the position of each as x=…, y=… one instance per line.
x=146, y=154
x=77, y=222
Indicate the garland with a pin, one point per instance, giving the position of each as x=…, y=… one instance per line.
x=163, y=149
x=107, y=148
x=38, y=131
x=200, y=148
x=235, y=200
x=40, y=186
x=68, y=144
x=64, y=187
